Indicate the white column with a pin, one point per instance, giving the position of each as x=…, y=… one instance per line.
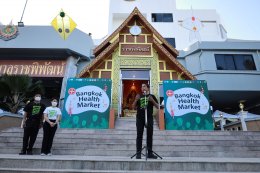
x=71, y=71
x=222, y=123
x=243, y=114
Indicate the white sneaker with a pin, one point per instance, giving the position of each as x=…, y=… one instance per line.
x=49, y=154
x=42, y=154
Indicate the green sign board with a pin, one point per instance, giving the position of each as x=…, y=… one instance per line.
x=186, y=105
x=87, y=103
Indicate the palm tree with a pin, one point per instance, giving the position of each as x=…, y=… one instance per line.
x=15, y=90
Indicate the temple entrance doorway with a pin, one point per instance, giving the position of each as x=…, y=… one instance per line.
x=131, y=82
x=130, y=89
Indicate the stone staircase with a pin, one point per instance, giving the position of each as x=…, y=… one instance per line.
x=88, y=150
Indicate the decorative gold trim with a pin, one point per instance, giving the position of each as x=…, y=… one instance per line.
x=114, y=38
x=135, y=43
x=115, y=79
x=157, y=39
x=154, y=77
x=135, y=63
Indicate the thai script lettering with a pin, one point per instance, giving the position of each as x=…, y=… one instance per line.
x=34, y=68
x=136, y=49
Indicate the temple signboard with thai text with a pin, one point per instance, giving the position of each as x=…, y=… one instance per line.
x=38, y=68
x=143, y=50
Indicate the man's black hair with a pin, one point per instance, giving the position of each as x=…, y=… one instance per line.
x=148, y=86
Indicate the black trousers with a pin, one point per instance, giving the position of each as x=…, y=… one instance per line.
x=48, y=135
x=29, y=137
x=140, y=124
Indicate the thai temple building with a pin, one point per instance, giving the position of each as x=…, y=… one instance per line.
x=230, y=66
x=146, y=42
x=133, y=54
x=207, y=86
x=159, y=42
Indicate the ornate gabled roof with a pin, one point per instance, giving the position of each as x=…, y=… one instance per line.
x=109, y=44
x=134, y=13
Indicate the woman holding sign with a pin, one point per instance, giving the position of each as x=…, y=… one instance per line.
x=52, y=116
x=143, y=101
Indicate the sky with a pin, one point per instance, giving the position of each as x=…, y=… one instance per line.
x=241, y=18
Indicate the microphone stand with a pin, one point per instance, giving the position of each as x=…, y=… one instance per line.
x=145, y=110
x=145, y=147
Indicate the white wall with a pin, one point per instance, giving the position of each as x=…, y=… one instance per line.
x=210, y=31
x=231, y=80
x=193, y=63
x=120, y=6
x=120, y=10
x=202, y=64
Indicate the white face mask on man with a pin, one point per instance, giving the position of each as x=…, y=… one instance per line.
x=54, y=104
x=37, y=98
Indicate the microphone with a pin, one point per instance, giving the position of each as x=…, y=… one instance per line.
x=144, y=92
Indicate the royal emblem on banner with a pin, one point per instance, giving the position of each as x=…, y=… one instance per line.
x=8, y=32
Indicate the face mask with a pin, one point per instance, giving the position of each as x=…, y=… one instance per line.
x=37, y=99
x=54, y=104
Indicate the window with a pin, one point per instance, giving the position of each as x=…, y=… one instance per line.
x=234, y=62
x=171, y=41
x=162, y=17
x=135, y=74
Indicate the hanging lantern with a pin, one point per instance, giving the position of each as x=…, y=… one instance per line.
x=63, y=24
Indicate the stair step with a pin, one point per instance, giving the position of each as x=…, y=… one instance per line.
x=122, y=142
x=109, y=151
x=129, y=153
x=125, y=164
x=20, y=170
